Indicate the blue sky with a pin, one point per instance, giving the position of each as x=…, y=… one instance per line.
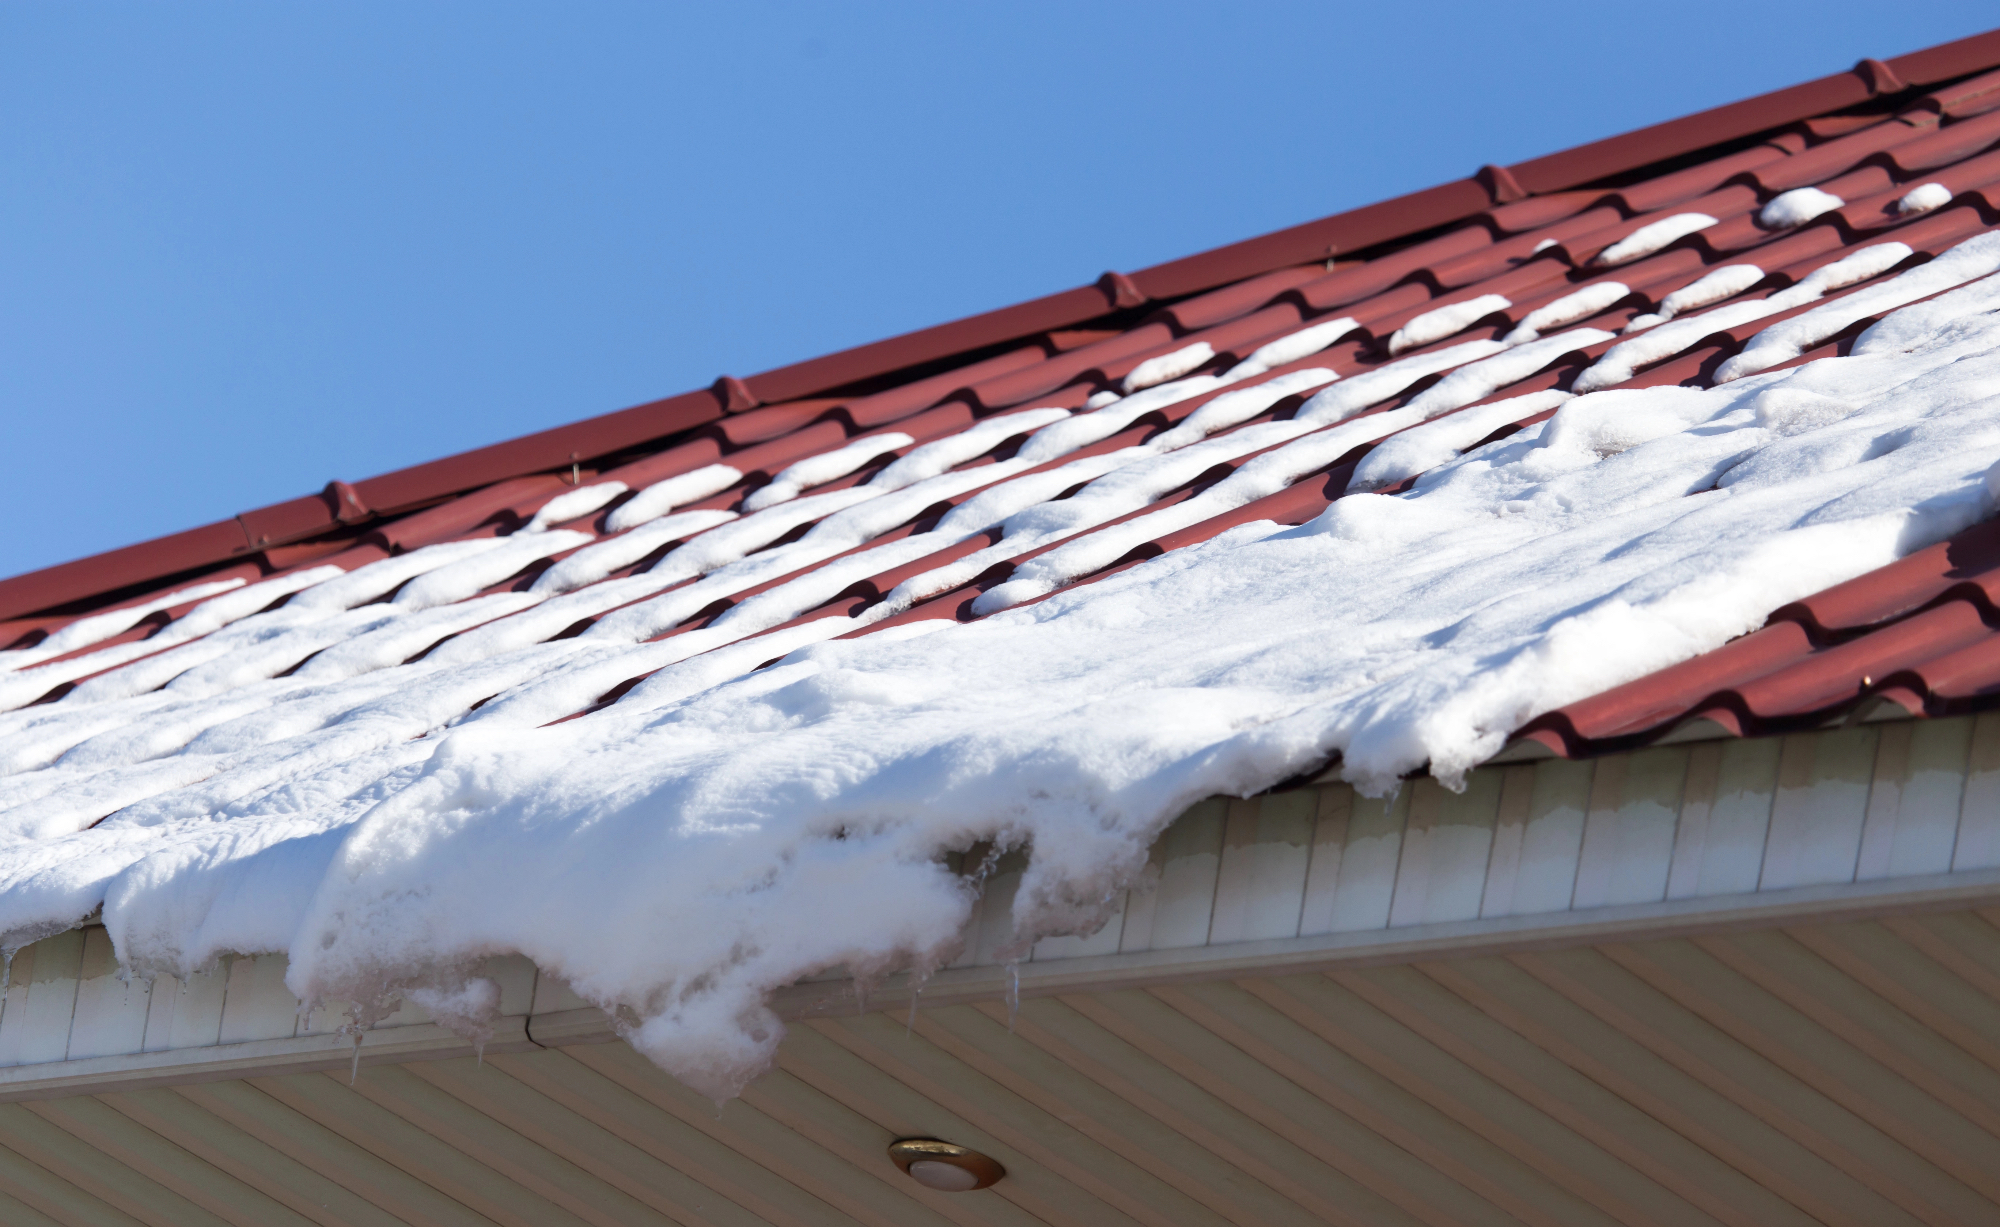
x=246, y=248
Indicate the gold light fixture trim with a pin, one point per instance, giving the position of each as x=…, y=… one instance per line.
x=943, y=1166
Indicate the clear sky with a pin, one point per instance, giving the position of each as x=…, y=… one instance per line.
x=248, y=247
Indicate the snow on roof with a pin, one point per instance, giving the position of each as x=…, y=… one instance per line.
x=712, y=712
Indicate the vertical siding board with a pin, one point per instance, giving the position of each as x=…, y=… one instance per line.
x=1182, y=899
x=41, y=1000
x=1822, y=803
x=1979, y=821
x=1510, y=825
x=1629, y=839
x=110, y=1009
x=1885, y=792
x=1186, y=900
x=1913, y=807
x=1335, y=805
x=187, y=1013
x=1266, y=849
x=14, y=1005
x=1235, y=876
x=1411, y=895
x=1739, y=819
x=1553, y=837
x=1646, y=822
x=1927, y=819
x=1600, y=832
x=1704, y=777
x=1368, y=863
x=256, y=1005
x=161, y=997
x=1136, y=933
x=1462, y=848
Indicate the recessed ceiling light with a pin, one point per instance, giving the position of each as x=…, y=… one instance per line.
x=943, y=1166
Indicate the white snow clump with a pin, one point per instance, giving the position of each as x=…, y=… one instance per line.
x=1923, y=198
x=1652, y=237
x=1796, y=207
x=1441, y=322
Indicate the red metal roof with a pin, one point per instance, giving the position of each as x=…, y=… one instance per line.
x=1914, y=634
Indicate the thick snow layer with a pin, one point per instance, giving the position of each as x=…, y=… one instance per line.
x=1797, y=207
x=1652, y=237
x=1923, y=198
x=724, y=830
x=1441, y=322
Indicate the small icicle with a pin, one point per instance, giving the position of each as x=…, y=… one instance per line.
x=479, y=1052
x=7, y=971
x=860, y=997
x=910, y=1027
x=1013, y=995
x=354, y=1074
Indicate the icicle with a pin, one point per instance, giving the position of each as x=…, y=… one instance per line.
x=6, y=971
x=479, y=1052
x=354, y=1074
x=860, y=997
x=910, y=1026
x=1013, y=994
